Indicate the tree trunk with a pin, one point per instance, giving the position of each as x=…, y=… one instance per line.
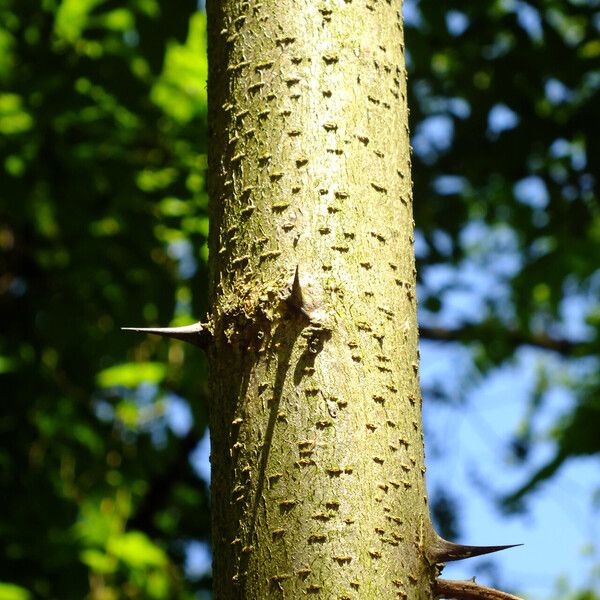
x=317, y=454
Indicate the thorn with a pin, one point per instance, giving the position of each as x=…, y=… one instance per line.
x=294, y=296
x=468, y=590
x=304, y=294
x=443, y=551
x=194, y=334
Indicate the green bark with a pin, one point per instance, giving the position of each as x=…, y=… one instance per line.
x=317, y=455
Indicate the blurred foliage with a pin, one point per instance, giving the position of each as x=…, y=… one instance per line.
x=564, y=591
x=508, y=191
x=103, y=223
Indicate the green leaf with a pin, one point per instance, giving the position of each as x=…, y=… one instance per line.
x=7, y=364
x=13, y=119
x=590, y=50
x=72, y=17
x=137, y=551
x=119, y=19
x=98, y=561
x=181, y=89
x=174, y=207
x=151, y=180
x=131, y=374
x=9, y=591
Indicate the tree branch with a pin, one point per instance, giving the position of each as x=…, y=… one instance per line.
x=468, y=590
x=469, y=333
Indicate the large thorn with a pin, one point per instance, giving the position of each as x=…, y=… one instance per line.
x=468, y=590
x=442, y=551
x=194, y=334
x=294, y=295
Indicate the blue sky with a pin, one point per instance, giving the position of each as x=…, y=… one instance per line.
x=560, y=524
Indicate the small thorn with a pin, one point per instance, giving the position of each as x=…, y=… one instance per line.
x=444, y=551
x=194, y=334
x=304, y=294
x=294, y=294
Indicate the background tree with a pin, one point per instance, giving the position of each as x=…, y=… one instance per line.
x=102, y=211
x=103, y=216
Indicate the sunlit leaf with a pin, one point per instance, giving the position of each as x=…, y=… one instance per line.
x=119, y=19
x=98, y=561
x=136, y=550
x=181, y=89
x=13, y=118
x=152, y=180
x=9, y=591
x=131, y=374
x=72, y=17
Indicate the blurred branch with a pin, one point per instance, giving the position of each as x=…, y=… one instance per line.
x=468, y=590
x=472, y=333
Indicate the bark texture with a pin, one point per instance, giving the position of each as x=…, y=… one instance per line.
x=317, y=454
